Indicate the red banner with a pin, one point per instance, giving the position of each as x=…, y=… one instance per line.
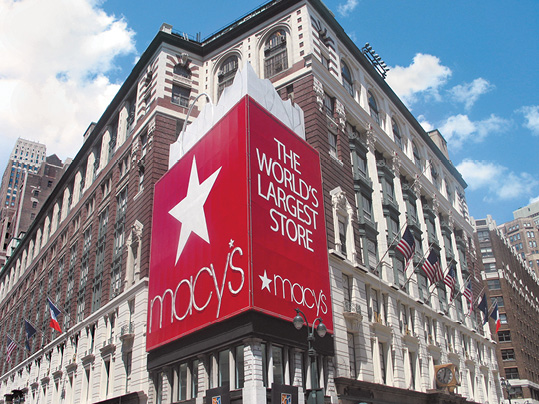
x=248, y=175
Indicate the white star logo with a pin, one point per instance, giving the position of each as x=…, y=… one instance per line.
x=190, y=211
x=265, y=281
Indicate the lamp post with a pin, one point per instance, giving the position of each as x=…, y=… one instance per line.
x=315, y=395
x=507, y=386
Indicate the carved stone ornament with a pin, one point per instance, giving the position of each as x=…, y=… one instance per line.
x=183, y=59
x=396, y=164
x=435, y=205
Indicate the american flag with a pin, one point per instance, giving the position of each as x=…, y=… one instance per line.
x=11, y=345
x=432, y=267
x=450, y=279
x=407, y=244
x=468, y=294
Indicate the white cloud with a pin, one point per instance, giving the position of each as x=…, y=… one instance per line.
x=459, y=129
x=469, y=93
x=347, y=8
x=53, y=70
x=427, y=126
x=425, y=76
x=531, y=114
x=495, y=180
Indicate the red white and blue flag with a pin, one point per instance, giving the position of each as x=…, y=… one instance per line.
x=496, y=316
x=406, y=244
x=450, y=280
x=432, y=267
x=11, y=345
x=54, y=316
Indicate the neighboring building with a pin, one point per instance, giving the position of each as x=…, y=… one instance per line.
x=515, y=287
x=531, y=211
x=34, y=189
x=25, y=158
x=523, y=235
x=88, y=249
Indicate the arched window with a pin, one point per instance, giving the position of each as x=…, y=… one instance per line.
x=182, y=71
x=373, y=107
x=226, y=73
x=347, y=81
x=417, y=157
x=396, y=133
x=275, y=54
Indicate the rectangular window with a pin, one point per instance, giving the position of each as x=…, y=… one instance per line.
x=332, y=144
x=182, y=382
x=493, y=284
x=504, y=336
x=224, y=367
x=511, y=373
x=382, y=362
x=329, y=105
x=347, y=292
x=498, y=299
x=278, y=364
x=508, y=354
x=352, y=355
x=342, y=234
x=180, y=95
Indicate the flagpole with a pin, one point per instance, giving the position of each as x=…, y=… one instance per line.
x=416, y=179
x=416, y=267
x=459, y=293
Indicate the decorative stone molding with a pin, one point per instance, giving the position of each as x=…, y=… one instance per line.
x=396, y=163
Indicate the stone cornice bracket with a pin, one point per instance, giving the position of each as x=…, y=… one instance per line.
x=319, y=91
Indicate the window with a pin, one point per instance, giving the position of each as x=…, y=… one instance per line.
x=332, y=144
x=329, y=105
x=498, y=299
x=347, y=81
x=275, y=54
x=347, y=292
x=34, y=204
x=397, y=134
x=352, y=355
x=382, y=362
x=490, y=267
x=373, y=108
x=503, y=318
x=493, y=284
x=180, y=95
x=511, y=373
x=504, y=336
x=226, y=73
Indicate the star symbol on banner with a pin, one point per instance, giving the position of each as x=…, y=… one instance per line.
x=190, y=210
x=265, y=281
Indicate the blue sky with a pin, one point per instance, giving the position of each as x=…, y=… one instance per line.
x=466, y=68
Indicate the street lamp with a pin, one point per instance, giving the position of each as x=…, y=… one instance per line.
x=507, y=386
x=315, y=395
